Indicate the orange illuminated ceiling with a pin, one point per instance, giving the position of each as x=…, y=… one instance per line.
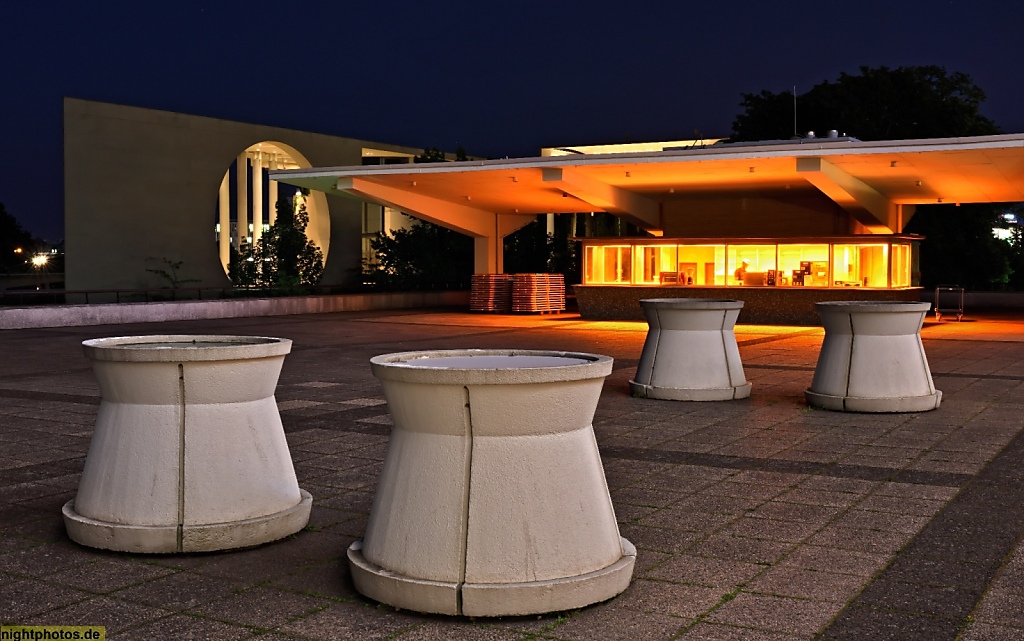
x=953, y=170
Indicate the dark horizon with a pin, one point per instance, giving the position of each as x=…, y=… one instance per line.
x=499, y=81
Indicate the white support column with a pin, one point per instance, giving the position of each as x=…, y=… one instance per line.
x=242, y=209
x=487, y=255
x=273, y=194
x=257, y=197
x=224, y=218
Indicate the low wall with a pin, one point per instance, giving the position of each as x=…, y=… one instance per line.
x=761, y=305
x=113, y=314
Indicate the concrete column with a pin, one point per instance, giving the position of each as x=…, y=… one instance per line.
x=257, y=197
x=487, y=255
x=242, y=202
x=273, y=195
x=224, y=218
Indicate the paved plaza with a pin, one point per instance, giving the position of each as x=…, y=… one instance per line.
x=759, y=519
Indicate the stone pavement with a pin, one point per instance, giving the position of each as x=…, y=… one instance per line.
x=758, y=519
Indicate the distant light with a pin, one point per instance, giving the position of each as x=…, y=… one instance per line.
x=17, y=250
x=40, y=259
x=1008, y=217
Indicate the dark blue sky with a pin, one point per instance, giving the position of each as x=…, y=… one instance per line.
x=501, y=79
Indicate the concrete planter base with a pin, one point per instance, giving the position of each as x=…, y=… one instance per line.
x=491, y=599
x=872, y=359
x=194, y=538
x=188, y=453
x=492, y=500
x=690, y=353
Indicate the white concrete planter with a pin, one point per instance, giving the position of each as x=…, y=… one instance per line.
x=188, y=454
x=690, y=353
x=492, y=500
x=872, y=359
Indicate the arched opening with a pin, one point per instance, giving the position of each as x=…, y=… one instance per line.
x=246, y=203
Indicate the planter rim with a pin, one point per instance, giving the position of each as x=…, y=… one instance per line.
x=163, y=348
x=872, y=306
x=692, y=303
x=402, y=367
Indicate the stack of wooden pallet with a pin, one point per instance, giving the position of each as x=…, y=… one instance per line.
x=490, y=293
x=538, y=293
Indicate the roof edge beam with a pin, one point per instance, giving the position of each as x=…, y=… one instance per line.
x=637, y=209
x=869, y=207
x=461, y=218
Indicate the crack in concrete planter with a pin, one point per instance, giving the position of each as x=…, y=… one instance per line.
x=188, y=453
x=492, y=500
x=872, y=359
x=690, y=353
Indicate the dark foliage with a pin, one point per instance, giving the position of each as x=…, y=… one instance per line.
x=959, y=247
x=425, y=256
x=283, y=256
x=13, y=237
x=877, y=104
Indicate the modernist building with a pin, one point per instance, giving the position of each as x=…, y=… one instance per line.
x=779, y=224
x=142, y=187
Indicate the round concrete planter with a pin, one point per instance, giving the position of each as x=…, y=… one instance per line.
x=188, y=454
x=872, y=359
x=690, y=353
x=492, y=500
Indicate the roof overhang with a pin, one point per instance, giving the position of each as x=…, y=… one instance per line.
x=869, y=179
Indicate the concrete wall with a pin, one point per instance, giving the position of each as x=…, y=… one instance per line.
x=764, y=214
x=761, y=305
x=82, y=315
x=142, y=184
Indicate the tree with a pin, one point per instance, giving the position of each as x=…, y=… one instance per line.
x=283, y=256
x=896, y=104
x=16, y=244
x=960, y=248
x=424, y=256
x=878, y=104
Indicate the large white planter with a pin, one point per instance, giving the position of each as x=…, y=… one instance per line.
x=872, y=359
x=690, y=353
x=492, y=500
x=188, y=454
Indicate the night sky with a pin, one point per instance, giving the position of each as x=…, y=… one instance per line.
x=498, y=78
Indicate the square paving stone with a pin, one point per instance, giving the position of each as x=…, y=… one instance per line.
x=331, y=580
x=715, y=632
x=989, y=632
x=860, y=540
x=181, y=591
x=858, y=624
x=27, y=598
x=353, y=621
x=45, y=559
x=770, y=529
x=185, y=628
x=939, y=601
x=807, y=584
x=735, y=548
x=262, y=607
x=794, y=616
x=714, y=573
x=663, y=597
x=113, y=614
x=613, y=625
x=108, y=574
x=833, y=560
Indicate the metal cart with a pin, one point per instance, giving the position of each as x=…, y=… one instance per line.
x=949, y=300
